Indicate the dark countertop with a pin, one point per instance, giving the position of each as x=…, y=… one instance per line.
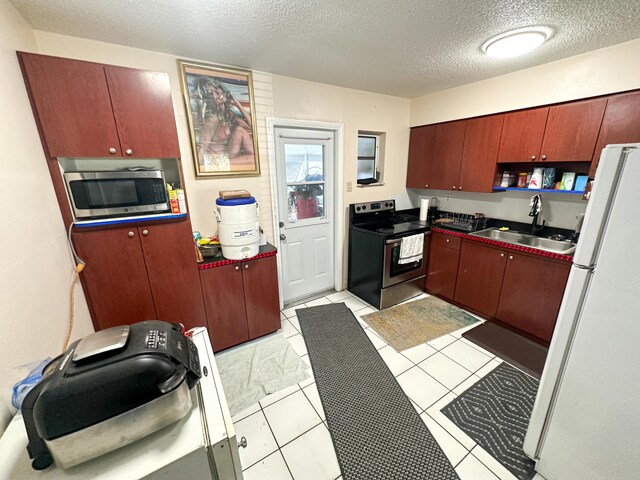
x=267, y=250
x=496, y=222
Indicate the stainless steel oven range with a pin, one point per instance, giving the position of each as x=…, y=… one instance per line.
x=375, y=235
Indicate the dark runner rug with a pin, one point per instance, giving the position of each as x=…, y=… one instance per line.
x=495, y=412
x=510, y=346
x=376, y=432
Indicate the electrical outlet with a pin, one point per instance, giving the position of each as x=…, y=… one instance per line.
x=447, y=198
x=349, y=186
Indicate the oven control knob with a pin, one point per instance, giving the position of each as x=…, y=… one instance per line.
x=364, y=207
x=357, y=209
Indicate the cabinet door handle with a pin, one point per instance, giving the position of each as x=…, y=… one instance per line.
x=246, y=266
x=454, y=187
x=544, y=157
x=112, y=151
x=426, y=186
x=128, y=151
x=459, y=188
x=502, y=254
x=131, y=234
x=510, y=257
x=533, y=157
x=237, y=268
x=447, y=240
x=145, y=232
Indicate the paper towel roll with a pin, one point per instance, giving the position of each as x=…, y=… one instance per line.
x=424, y=209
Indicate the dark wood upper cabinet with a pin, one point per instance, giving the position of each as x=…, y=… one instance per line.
x=86, y=109
x=572, y=130
x=481, y=143
x=522, y=134
x=71, y=103
x=169, y=255
x=447, y=155
x=621, y=124
x=260, y=279
x=532, y=291
x=114, y=278
x=421, y=143
x=143, y=111
x=480, y=273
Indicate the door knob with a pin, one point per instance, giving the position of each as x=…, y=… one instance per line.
x=242, y=443
x=112, y=151
x=128, y=151
x=283, y=236
x=281, y=224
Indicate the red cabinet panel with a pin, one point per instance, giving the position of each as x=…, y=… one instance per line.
x=480, y=273
x=421, y=143
x=531, y=294
x=522, y=134
x=114, y=278
x=260, y=279
x=222, y=289
x=481, y=143
x=442, y=268
x=70, y=100
x=447, y=154
x=143, y=111
x=170, y=260
x=572, y=130
x=621, y=124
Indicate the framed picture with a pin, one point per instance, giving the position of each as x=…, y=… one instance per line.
x=220, y=111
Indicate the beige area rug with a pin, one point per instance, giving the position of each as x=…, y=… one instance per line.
x=405, y=326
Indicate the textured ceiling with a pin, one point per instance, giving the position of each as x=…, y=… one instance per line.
x=398, y=47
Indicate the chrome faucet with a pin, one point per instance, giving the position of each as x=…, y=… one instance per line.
x=536, y=208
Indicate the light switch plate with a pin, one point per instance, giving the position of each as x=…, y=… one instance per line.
x=349, y=186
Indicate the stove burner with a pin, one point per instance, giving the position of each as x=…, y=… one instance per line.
x=385, y=230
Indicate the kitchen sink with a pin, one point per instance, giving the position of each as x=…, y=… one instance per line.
x=547, y=244
x=495, y=234
x=516, y=238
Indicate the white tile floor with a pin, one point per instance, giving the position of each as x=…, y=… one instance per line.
x=287, y=435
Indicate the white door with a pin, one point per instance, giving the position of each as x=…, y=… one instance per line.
x=304, y=172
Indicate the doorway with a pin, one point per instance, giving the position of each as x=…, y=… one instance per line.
x=305, y=188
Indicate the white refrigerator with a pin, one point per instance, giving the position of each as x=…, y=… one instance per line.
x=585, y=422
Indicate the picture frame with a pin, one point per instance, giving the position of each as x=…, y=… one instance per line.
x=221, y=117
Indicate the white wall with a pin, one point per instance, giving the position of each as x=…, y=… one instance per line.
x=36, y=265
x=599, y=72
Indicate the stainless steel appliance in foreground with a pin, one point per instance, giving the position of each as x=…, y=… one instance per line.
x=375, y=236
x=201, y=445
x=585, y=421
x=108, y=390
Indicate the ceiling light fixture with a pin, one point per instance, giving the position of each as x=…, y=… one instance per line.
x=516, y=42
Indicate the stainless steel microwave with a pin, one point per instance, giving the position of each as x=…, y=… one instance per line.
x=115, y=194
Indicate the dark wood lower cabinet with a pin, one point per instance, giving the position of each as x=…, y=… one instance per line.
x=141, y=273
x=442, y=267
x=531, y=295
x=241, y=301
x=521, y=290
x=223, y=292
x=480, y=274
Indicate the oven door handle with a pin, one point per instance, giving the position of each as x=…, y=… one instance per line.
x=393, y=242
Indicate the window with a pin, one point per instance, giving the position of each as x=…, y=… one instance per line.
x=370, y=148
